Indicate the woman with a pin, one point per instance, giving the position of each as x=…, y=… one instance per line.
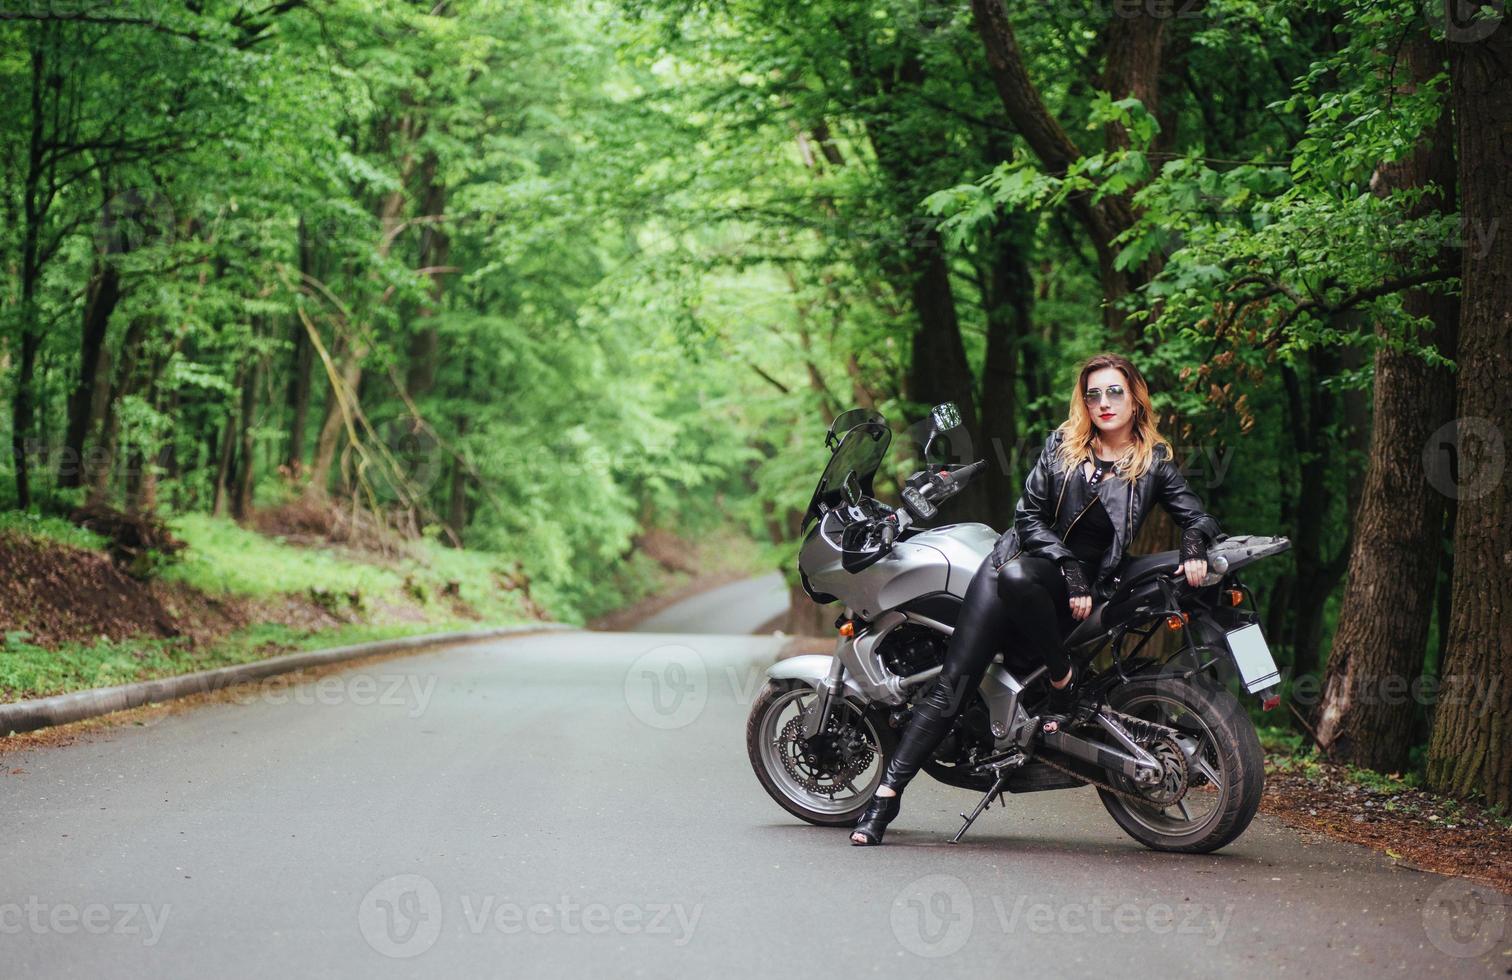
x=1082, y=505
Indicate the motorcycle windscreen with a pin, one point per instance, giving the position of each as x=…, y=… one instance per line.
x=861, y=451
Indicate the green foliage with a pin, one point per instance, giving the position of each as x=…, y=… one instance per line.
x=47, y=528
x=228, y=560
x=30, y=671
x=559, y=273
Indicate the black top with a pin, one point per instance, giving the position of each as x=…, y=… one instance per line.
x=1091, y=532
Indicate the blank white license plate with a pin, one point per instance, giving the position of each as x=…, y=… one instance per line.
x=1257, y=668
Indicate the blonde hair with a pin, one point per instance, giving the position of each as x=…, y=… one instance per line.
x=1077, y=431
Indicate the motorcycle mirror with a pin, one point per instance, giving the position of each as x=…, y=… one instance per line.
x=942, y=418
x=945, y=416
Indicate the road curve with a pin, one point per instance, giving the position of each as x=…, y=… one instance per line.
x=578, y=804
x=740, y=607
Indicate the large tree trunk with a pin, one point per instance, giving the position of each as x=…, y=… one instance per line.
x=939, y=371
x=1134, y=47
x=302, y=362
x=919, y=269
x=241, y=497
x=1366, y=716
x=1471, y=748
x=34, y=213
x=342, y=392
x=86, y=403
x=435, y=247
x=1008, y=298
x=224, y=465
x=1312, y=412
x=456, y=502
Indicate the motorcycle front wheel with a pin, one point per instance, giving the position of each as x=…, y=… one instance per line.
x=1225, y=766
x=827, y=780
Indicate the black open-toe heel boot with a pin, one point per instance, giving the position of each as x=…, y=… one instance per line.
x=876, y=817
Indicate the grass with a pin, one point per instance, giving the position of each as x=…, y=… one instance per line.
x=56, y=529
x=431, y=588
x=412, y=595
x=29, y=671
x=224, y=558
x=1291, y=751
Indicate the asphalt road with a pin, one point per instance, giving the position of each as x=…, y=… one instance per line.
x=740, y=608
x=575, y=804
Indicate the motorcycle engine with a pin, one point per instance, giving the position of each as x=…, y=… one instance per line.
x=911, y=648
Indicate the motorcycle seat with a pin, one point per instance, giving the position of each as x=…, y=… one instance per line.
x=1138, y=571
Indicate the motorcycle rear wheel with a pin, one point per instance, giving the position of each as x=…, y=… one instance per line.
x=1226, y=766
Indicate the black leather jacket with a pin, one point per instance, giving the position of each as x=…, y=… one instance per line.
x=1053, y=501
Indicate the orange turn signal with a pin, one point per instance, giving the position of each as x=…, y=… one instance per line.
x=1234, y=596
x=1176, y=622
x=847, y=629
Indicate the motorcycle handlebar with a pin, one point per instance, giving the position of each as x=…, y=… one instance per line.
x=966, y=473
x=951, y=481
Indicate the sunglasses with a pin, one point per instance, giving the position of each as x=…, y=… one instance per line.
x=1115, y=394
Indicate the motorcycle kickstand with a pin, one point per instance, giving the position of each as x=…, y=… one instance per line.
x=996, y=790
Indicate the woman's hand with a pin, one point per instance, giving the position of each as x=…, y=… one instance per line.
x=1196, y=570
x=1077, y=588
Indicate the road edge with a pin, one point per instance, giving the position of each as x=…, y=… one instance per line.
x=63, y=709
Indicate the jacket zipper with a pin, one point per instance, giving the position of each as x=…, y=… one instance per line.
x=1077, y=518
x=1058, y=501
x=1062, y=496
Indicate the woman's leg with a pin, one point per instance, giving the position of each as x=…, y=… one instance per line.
x=1033, y=592
x=977, y=638
x=1028, y=597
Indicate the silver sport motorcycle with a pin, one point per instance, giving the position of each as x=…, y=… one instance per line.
x=1173, y=755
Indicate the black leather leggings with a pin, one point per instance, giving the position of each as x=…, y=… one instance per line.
x=1023, y=609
